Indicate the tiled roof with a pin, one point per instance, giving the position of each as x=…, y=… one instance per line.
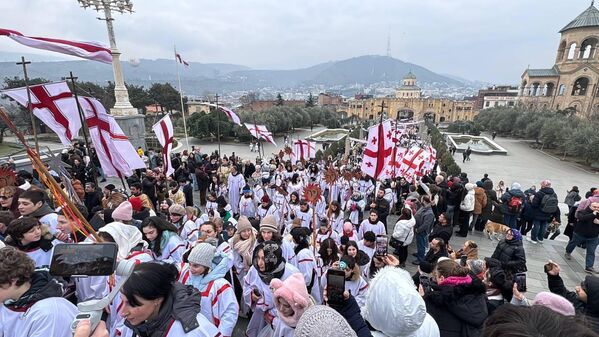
x=588, y=18
x=542, y=72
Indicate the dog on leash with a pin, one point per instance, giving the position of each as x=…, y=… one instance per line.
x=494, y=229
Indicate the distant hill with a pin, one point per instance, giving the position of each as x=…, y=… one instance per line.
x=200, y=77
x=364, y=70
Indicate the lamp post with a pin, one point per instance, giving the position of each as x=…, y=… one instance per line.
x=122, y=106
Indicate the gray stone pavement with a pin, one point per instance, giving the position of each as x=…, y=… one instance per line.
x=522, y=164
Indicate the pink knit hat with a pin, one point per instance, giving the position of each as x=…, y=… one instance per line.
x=554, y=302
x=124, y=212
x=294, y=291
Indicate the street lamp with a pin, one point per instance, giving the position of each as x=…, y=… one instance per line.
x=122, y=106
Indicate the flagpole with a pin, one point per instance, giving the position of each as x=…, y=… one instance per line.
x=81, y=118
x=217, y=124
x=181, y=97
x=259, y=142
x=26, y=78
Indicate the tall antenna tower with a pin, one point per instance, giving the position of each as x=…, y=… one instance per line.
x=389, y=44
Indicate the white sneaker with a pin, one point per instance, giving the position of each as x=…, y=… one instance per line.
x=531, y=240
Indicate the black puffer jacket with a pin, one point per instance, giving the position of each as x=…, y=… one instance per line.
x=511, y=255
x=491, y=196
x=590, y=309
x=459, y=310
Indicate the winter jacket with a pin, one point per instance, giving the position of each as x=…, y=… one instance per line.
x=454, y=194
x=511, y=255
x=394, y=308
x=507, y=196
x=480, y=200
x=460, y=310
x=491, y=196
x=425, y=218
x=536, y=205
x=467, y=204
x=381, y=206
x=40, y=311
x=350, y=310
x=443, y=232
x=586, y=226
x=184, y=306
x=572, y=198
x=590, y=309
x=404, y=230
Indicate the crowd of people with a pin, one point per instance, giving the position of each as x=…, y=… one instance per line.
x=252, y=247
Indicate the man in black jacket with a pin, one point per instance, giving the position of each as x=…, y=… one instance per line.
x=585, y=298
x=381, y=205
x=587, y=231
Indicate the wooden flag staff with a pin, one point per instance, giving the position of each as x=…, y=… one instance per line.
x=58, y=193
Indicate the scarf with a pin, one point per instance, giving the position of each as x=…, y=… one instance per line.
x=219, y=268
x=274, y=262
x=244, y=249
x=42, y=286
x=40, y=212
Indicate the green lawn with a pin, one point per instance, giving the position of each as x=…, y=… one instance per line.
x=9, y=148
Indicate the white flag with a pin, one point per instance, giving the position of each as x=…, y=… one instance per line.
x=164, y=132
x=53, y=104
x=117, y=156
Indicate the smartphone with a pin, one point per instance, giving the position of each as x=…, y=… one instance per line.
x=463, y=260
x=425, y=282
x=79, y=260
x=382, y=243
x=335, y=286
x=520, y=279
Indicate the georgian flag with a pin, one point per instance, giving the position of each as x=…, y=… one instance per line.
x=53, y=104
x=377, y=154
x=412, y=161
x=117, y=156
x=87, y=50
x=228, y=112
x=260, y=131
x=181, y=60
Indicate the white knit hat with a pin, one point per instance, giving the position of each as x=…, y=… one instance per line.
x=320, y=320
x=202, y=254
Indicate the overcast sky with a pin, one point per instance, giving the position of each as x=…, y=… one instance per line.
x=489, y=40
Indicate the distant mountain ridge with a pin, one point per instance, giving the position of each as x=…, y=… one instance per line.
x=365, y=70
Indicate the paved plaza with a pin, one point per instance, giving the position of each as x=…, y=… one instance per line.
x=522, y=164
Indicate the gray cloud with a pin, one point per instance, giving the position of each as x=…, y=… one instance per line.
x=488, y=40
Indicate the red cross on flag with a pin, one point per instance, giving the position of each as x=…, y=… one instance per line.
x=429, y=163
x=164, y=132
x=412, y=162
x=228, y=112
x=304, y=150
x=117, y=156
x=53, y=104
x=377, y=154
x=260, y=131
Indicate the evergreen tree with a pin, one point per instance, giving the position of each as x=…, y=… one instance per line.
x=279, y=101
x=310, y=101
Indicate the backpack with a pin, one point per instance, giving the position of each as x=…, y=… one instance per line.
x=549, y=203
x=514, y=205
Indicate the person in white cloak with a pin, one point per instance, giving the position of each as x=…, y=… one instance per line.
x=394, y=307
x=235, y=184
x=267, y=264
x=33, y=303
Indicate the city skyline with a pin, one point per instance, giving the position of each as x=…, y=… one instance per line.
x=491, y=41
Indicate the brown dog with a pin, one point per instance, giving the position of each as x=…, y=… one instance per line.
x=495, y=229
